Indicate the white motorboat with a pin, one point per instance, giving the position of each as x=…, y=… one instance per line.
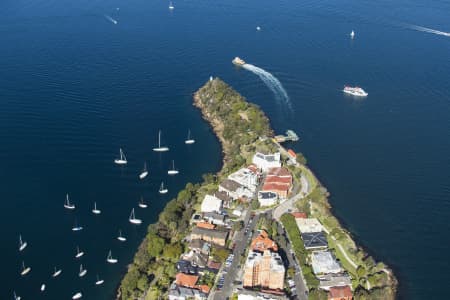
x=159, y=148
x=133, y=219
x=144, y=172
x=56, y=273
x=142, y=203
x=355, y=91
x=22, y=244
x=162, y=189
x=79, y=253
x=189, y=140
x=82, y=271
x=173, y=171
x=99, y=281
x=122, y=160
x=110, y=259
x=67, y=203
x=120, y=237
x=96, y=211
x=77, y=296
x=25, y=270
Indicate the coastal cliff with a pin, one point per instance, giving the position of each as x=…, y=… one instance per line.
x=242, y=128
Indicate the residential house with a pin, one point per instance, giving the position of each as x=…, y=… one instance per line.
x=340, y=293
x=186, y=267
x=213, y=236
x=186, y=280
x=308, y=225
x=314, y=240
x=267, y=198
x=200, y=246
x=323, y=262
x=266, y=161
x=235, y=190
x=177, y=292
x=334, y=280
x=206, y=225
x=226, y=200
x=211, y=204
x=198, y=259
x=279, y=181
x=262, y=243
x=264, y=270
x=246, y=178
x=214, y=218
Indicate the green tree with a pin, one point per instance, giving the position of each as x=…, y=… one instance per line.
x=155, y=245
x=173, y=251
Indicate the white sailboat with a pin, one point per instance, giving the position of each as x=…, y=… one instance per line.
x=25, y=270
x=171, y=7
x=122, y=160
x=22, y=244
x=99, y=281
x=56, y=273
x=144, y=172
x=77, y=296
x=96, y=211
x=120, y=237
x=162, y=189
x=82, y=271
x=142, y=203
x=352, y=34
x=133, y=219
x=16, y=297
x=189, y=140
x=159, y=148
x=42, y=287
x=79, y=253
x=67, y=204
x=77, y=227
x=173, y=171
x=110, y=259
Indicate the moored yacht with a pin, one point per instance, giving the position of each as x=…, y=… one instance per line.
x=22, y=244
x=120, y=237
x=162, y=189
x=56, y=273
x=110, y=259
x=82, y=271
x=144, y=172
x=77, y=296
x=160, y=148
x=96, y=211
x=142, y=203
x=77, y=227
x=122, y=160
x=99, y=281
x=173, y=171
x=189, y=140
x=133, y=219
x=171, y=7
x=42, y=287
x=25, y=270
x=355, y=91
x=67, y=203
x=79, y=253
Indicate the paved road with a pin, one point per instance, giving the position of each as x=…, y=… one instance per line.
x=289, y=204
x=241, y=241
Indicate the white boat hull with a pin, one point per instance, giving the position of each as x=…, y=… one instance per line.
x=112, y=260
x=96, y=211
x=42, y=287
x=172, y=172
x=82, y=273
x=25, y=271
x=77, y=296
x=79, y=228
x=143, y=175
x=80, y=254
x=69, y=206
x=120, y=162
x=189, y=142
x=23, y=246
x=163, y=191
x=99, y=282
x=135, y=221
x=161, y=149
x=121, y=238
x=56, y=274
x=142, y=205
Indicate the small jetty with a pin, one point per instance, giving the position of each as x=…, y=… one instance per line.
x=290, y=136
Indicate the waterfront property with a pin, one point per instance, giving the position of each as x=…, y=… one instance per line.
x=246, y=178
x=323, y=262
x=266, y=161
x=334, y=280
x=278, y=180
x=340, y=293
x=308, y=225
x=213, y=236
x=235, y=190
x=264, y=270
x=177, y=292
x=267, y=198
x=314, y=240
x=211, y=204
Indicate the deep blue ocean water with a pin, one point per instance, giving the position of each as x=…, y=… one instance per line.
x=74, y=87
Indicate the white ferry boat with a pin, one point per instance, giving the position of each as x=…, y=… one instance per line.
x=355, y=91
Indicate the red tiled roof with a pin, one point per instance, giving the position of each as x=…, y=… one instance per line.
x=299, y=215
x=186, y=280
x=206, y=225
x=204, y=288
x=340, y=292
x=279, y=180
x=275, y=187
x=278, y=172
x=262, y=243
x=253, y=168
x=292, y=153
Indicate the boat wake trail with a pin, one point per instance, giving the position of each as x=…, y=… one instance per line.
x=110, y=19
x=272, y=83
x=429, y=30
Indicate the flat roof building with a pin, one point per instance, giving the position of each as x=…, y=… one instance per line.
x=323, y=262
x=211, y=204
x=308, y=225
x=314, y=240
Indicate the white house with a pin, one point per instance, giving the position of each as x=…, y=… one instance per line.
x=309, y=225
x=323, y=262
x=211, y=204
x=267, y=198
x=267, y=161
x=246, y=178
x=235, y=190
